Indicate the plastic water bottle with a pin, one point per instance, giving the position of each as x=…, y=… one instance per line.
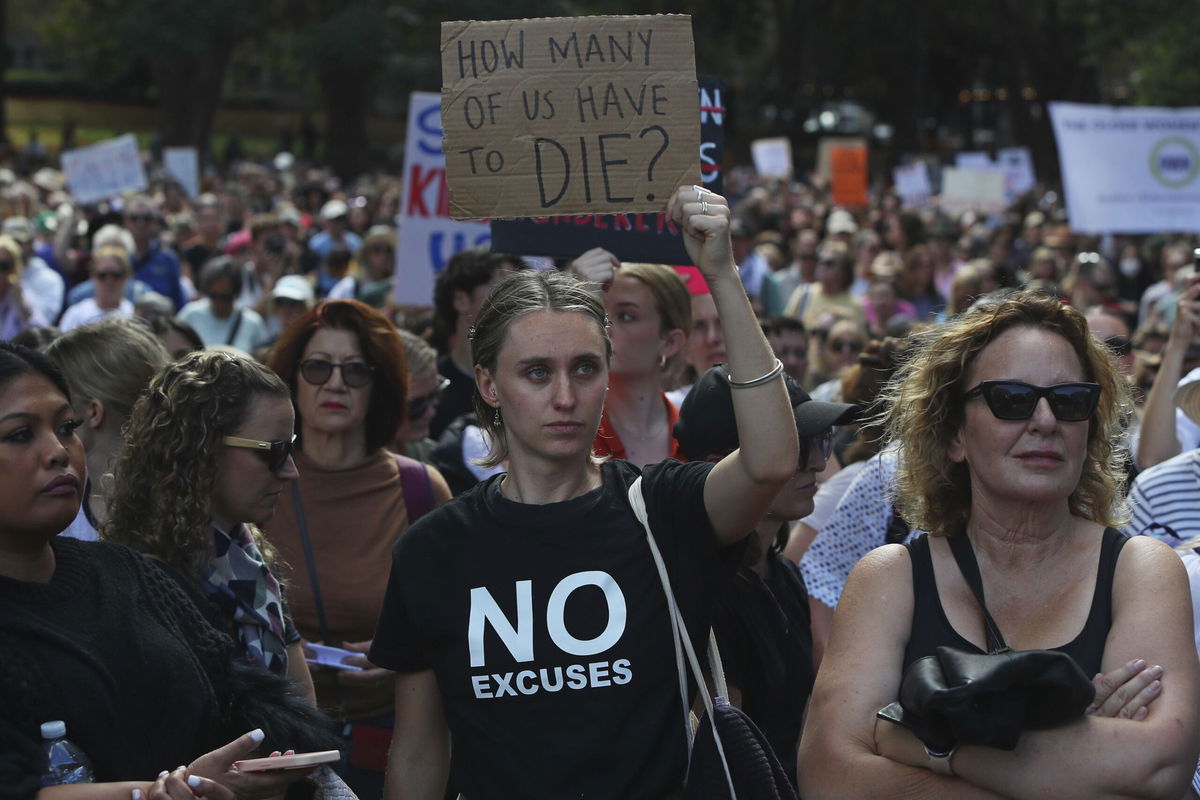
x=68, y=764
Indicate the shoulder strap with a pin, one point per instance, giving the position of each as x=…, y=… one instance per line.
x=302, y=523
x=681, y=638
x=233, y=332
x=964, y=556
x=417, y=487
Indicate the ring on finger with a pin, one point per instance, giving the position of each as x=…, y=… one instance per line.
x=704, y=207
x=699, y=193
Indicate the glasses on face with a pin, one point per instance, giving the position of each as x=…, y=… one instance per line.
x=275, y=454
x=826, y=262
x=1013, y=400
x=221, y=297
x=354, y=373
x=141, y=218
x=842, y=346
x=109, y=276
x=822, y=441
x=418, y=406
x=1119, y=345
x=6, y=267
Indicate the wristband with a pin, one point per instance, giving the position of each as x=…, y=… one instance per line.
x=775, y=372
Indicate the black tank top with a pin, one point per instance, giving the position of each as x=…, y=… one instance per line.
x=931, y=628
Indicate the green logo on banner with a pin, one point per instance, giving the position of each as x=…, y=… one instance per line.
x=1174, y=162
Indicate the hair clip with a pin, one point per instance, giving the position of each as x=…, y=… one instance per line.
x=607, y=321
x=471, y=334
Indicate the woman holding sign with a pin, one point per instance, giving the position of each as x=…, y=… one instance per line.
x=526, y=621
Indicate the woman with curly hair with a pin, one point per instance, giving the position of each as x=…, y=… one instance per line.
x=207, y=453
x=1008, y=417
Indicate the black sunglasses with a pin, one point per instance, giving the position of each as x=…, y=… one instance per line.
x=841, y=346
x=354, y=373
x=822, y=441
x=419, y=405
x=275, y=454
x=1070, y=402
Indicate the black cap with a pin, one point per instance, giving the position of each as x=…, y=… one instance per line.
x=707, y=426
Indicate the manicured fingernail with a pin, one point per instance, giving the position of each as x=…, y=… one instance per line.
x=163, y=774
x=136, y=794
x=179, y=767
x=1156, y=670
x=1138, y=663
x=1156, y=687
x=257, y=735
x=194, y=781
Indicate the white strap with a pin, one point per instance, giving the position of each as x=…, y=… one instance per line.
x=679, y=629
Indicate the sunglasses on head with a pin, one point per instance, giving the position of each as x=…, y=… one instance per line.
x=418, y=406
x=1012, y=400
x=354, y=373
x=275, y=454
x=822, y=441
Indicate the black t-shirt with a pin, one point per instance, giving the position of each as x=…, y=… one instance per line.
x=764, y=630
x=548, y=631
x=457, y=399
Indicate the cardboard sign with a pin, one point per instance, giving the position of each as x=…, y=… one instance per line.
x=630, y=237
x=428, y=237
x=849, y=174
x=772, y=157
x=575, y=115
x=105, y=169
x=183, y=164
x=973, y=190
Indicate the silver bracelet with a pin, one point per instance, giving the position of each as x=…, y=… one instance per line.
x=775, y=372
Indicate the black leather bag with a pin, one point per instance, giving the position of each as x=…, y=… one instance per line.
x=957, y=697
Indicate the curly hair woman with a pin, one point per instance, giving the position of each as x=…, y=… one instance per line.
x=1007, y=417
x=207, y=452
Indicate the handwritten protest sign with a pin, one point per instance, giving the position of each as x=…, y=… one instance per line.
x=912, y=183
x=568, y=116
x=428, y=237
x=630, y=237
x=105, y=169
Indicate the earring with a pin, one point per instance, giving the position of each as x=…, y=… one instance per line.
x=662, y=360
x=496, y=419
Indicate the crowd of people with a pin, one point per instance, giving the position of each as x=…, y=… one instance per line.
x=245, y=490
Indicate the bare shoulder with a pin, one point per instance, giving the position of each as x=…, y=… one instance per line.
x=881, y=579
x=1145, y=558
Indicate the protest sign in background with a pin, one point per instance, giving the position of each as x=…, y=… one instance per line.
x=183, y=164
x=105, y=169
x=848, y=178
x=973, y=190
x=630, y=237
x=772, y=157
x=575, y=115
x=912, y=183
x=1129, y=170
x=428, y=237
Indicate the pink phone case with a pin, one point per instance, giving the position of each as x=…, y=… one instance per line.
x=297, y=761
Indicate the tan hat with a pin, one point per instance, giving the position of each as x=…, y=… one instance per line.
x=1187, y=398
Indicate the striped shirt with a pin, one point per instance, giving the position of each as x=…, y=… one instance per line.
x=1165, y=500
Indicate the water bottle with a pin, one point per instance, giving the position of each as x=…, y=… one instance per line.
x=68, y=764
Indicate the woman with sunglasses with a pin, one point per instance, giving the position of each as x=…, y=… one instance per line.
x=110, y=273
x=349, y=381
x=207, y=452
x=1008, y=418
x=426, y=388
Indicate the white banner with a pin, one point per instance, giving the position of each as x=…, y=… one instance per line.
x=428, y=237
x=1129, y=170
x=973, y=190
x=183, y=164
x=772, y=157
x=103, y=170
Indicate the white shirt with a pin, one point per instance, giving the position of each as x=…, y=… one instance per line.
x=87, y=311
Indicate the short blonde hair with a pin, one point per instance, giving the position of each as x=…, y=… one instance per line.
x=671, y=299
x=926, y=411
